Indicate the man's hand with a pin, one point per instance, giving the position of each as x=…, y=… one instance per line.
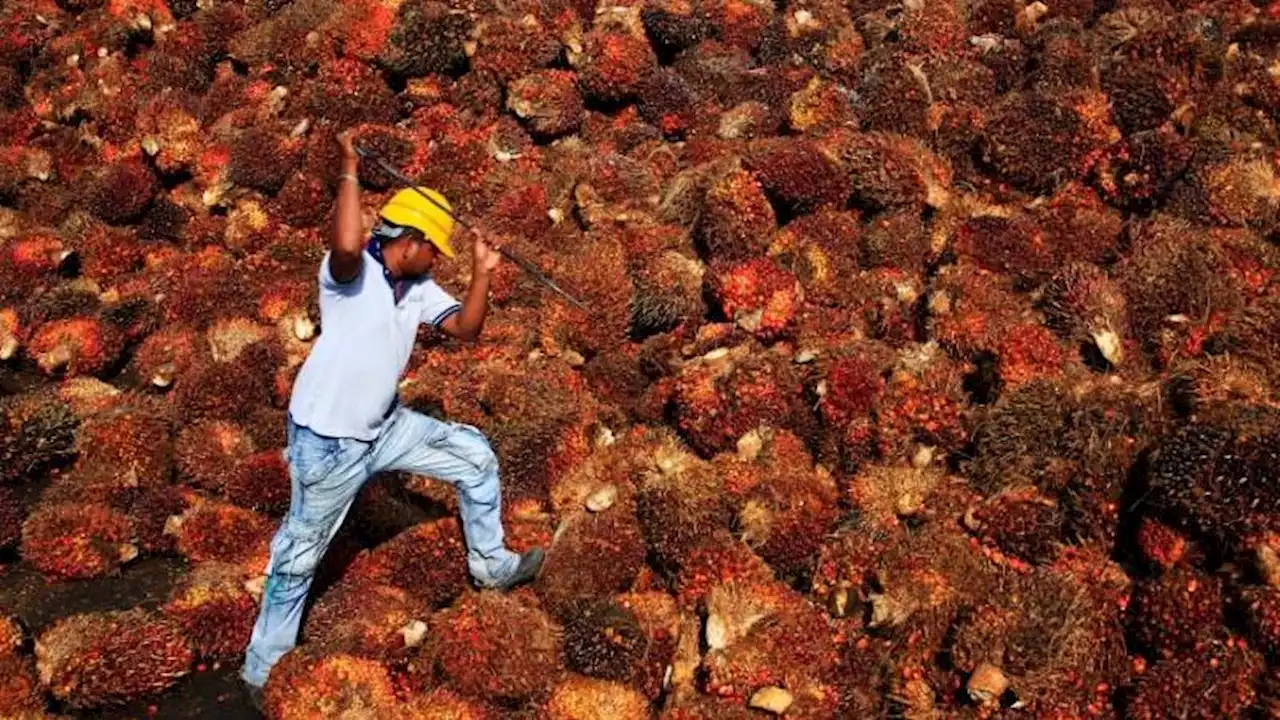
x=348, y=148
x=484, y=252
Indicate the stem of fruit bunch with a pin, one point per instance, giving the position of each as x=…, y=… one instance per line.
x=523, y=264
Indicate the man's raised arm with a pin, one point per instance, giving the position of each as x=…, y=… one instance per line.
x=348, y=239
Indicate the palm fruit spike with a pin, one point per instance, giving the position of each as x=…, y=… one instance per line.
x=572, y=573
x=730, y=391
x=215, y=610
x=1082, y=304
x=378, y=621
x=214, y=530
x=307, y=683
x=583, y=698
x=790, y=504
x=442, y=703
x=1185, y=594
x=96, y=659
x=122, y=450
x=1217, y=682
x=428, y=560
x=491, y=647
x=1048, y=638
x=77, y=540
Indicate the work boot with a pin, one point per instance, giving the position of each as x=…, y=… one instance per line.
x=527, y=570
x=255, y=697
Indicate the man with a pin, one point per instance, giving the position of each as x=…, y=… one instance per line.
x=344, y=422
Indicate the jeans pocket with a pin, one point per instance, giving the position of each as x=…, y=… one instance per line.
x=313, y=456
x=469, y=444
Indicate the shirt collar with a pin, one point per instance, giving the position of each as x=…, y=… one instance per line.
x=381, y=232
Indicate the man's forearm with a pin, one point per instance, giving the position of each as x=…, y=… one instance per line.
x=474, y=306
x=348, y=231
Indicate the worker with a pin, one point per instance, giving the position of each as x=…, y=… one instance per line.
x=344, y=421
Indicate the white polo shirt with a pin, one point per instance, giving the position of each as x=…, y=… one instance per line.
x=348, y=382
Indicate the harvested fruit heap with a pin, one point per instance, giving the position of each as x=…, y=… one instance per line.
x=931, y=365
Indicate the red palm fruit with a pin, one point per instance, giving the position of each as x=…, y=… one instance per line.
x=1163, y=546
x=205, y=451
x=1020, y=521
x=1252, y=336
x=441, y=703
x=124, y=449
x=787, y=514
x=630, y=639
x=822, y=251
x=121, y=192
x=724, y=394
x=736, y=219
x=616, y=188
x=11, y=635
x=1029, y=351
x=917, y=584
x=428, y=560
x=107, y=253
x=888, y=170
x=96, y=659
x=582, y=698
x=1179, y=280
x=259, y=482
x=428, y=38
x=1013, y=244
x=1049, y=638
x=1083, y=304
x=367, y=620
x=12, y=513
x=214, y=609
x=170, y=131
x=548, y=102
x=1036, y=142
x=150, y=511
x=31, y=261
x=1178, y=613
x=973, y=310
x=508, y=47
x=348, y=92
x=262, y=158
x=222, y=389
x=797, y=175
x=1141, y=169
x=923, y=404
x=11, y=334
x=697, y=706
x=1217, y=682
x=761, y=297
x=213, y=530
x=308, y=683
x=20, y=692
x=767, y=634
x=573, y=574
x=612, y=64
x=82, y=345
x=717, y=560
x=667, y=292
x=1029, y=416
x=38, y=430
x=601, y=283
x=737, y=22
x=77, y=540
x=679, y=499
x=1232, y=189
x=492, y=647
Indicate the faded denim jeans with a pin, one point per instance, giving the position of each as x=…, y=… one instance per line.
x=327, y=473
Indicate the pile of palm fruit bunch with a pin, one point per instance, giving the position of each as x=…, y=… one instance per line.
x=929, y=367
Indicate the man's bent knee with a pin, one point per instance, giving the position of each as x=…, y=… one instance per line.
x=297, y=549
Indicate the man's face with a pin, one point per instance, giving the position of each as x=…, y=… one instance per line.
x=419, y=258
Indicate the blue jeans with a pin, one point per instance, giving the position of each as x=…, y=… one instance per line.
x=326, y=473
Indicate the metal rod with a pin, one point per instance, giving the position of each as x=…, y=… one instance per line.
x=523, y=264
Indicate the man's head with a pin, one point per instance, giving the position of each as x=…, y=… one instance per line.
x=415, y=231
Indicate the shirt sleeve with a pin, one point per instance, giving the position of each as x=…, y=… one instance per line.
x=330, y=285
x=437, y=305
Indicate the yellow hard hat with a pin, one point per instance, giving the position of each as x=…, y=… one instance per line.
x=410, y=209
